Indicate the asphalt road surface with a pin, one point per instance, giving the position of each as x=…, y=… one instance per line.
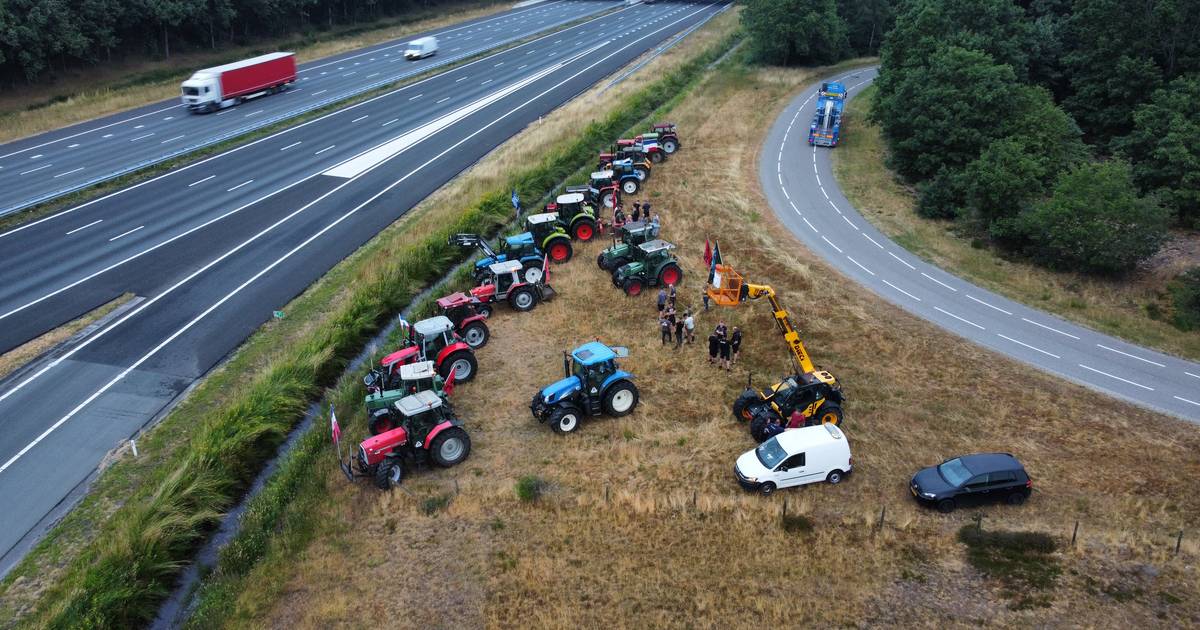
x=46, y=166
x=799, y=183
x=213, y=248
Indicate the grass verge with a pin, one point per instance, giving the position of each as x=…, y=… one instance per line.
x=237, y=417
x=1119, y=307
x=26, y=352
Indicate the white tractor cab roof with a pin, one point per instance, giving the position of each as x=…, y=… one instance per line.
x=416, y=371
x=602, y=175
x=545, y=217
x=657, y=245
x=433, y=326
x=506, y=267
x=569, y=198
x=418, y=403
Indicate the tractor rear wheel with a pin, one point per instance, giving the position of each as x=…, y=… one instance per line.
x=829, y=413
x=620, y=399
x=532, y=273
x=560, y=250
x=630, y=186
x=388, y=473
x=633, y=287
x=564, y=420
x=476, y=334
x=522, y=299
x=450, y=447
x=463, y=364
x=745, y=406
x=642, y=173
x=670, y=274
x=670, y=146
x=584, y=230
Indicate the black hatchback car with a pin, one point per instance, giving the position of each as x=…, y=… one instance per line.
x=972, y=480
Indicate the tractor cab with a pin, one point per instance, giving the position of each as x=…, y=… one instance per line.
x=593, y=364
x=664, y=128
x=420, y=413
x=625, y=239
x=416, y=429
x=542, y=225
x=638, y=232
x=603, y=188
x=651, y=251
x=606, y=158
x=457, y=307
x=505, y=274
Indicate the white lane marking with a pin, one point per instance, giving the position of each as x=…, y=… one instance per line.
x=81, y=133
x=34, y=157
x=1131, y=356
x=814, y=228
x=290, y=145
x=966, y=321
x=860, y=266
x=126, y=233
x=248, y=181
x=107, y=135
x=390, y=122
x=1187, y=401
x=872, y=240
x=1065, y=334
x=522, y=66
x=84, y=227
x=901, y=290
x=253, y=113
x=778, y=166
x=319, y=93
x=170, y=139
x=940, y=282
x=361, y=118
x=794, y=208
x=325, y=149
x=141, y=137
x=487, y=82
x=139, y=126
x=854, y=226
x=498, y=65
x=413, y=98
x=69, y=172
x=834, y=205
x=826, y=239
x=1123, y=380
x=222, y=112
x=971, y=297
x=902, y=261
x=201, y=181
x=443, y=100
x=461, y=79
x=1034, y=348
x=36, y=169
x=72, y=146
x=1192, y=375
x=372, y=75
x=351, y=73
x=785, y=193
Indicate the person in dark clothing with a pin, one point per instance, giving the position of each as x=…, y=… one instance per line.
x=618, y=216
x=722, y=330
x=712, y=348
x=723, y=351
x=637, y=211
x=678, y=332
x=735, y=344
x=665, y=327
x=704, y=296
x=670, y=314
x=662, y=301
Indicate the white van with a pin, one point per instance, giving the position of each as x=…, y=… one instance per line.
x=796, y=457
x=421, y=48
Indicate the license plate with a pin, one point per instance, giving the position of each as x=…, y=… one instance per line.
x=912, y=490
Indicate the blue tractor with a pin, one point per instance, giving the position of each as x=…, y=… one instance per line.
x=826, y=126
x=593, y=385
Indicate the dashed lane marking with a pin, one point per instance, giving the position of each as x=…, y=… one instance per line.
x=971, y=297
x=860, y=265
x=84, y=227
x=1034, y=348
x=1113, y=376
x=901, y=290
x=826, y=239
x=902, y=261
x=124, y=234
x=1065, y=334
x=1131, y=356
x=961, y=319
x=939, y=282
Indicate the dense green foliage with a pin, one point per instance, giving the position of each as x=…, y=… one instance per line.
x=986, y=106
x=790, y=32
x=40, y=35
x=1185, y=298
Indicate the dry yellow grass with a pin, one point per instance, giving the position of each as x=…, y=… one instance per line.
x=642, y=524
x=89, y=94
x=30, y=350
x=1115, y=306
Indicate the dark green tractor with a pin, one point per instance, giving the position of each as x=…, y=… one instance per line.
x=627, y=237
x=652, y=264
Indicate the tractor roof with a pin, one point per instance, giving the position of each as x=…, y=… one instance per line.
x=666, y=125
x=623, y=163
x=634, y=226
x=657, y=245
x=506, y=267
x=545, y=217
x=416, y=371
x=602, y=175
x=592, y=353
x=418, y=403
x=433, y=326
x=569, y=198
x=452, y=300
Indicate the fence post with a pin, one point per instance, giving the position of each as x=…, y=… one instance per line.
x=882, y=514
x=979, y=523
x=1075, y=533
x=456, y=486
x=783, y=519
x=605, y=494
x=693, y=499
x=1178, y=542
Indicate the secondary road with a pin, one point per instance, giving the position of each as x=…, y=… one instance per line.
x=799, y=183
x=48, y=165
x=212, y=249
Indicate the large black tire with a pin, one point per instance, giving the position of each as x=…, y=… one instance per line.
x=620, y=399
x=946, y=506
x=564, y=419
x=835, y=477
x=621, y=261
x=632, y=287
x=670, y=274
x=767, y=489
x=669, y=146
x=389, y=473
x=532, y=273
x=746, y=404
x=631, y=186
x=758, y=425
x=583, y=230
x=485, y=309
x=476, y=334
x=522, y=299
x=1016, y=498
x=829, y=413
x=642, y=172
x=466, y=363
x=602, y=261
x=450, y=447
x=657, y=157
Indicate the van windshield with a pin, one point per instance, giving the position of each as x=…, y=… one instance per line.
x=770, y=453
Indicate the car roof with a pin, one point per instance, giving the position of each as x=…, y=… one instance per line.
x=505, y=266
x=433, y=325
x=593, y=352
x=416, y=371
x=544, y=217
x=655, y=246
x=418, y=402
x=980, y=463
x=796, y=440
x=570, y=198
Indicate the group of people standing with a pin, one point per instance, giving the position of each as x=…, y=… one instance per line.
x=640, y=213
x=723, y=345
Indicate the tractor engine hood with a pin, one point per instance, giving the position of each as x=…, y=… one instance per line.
x=375, y=448
x=518, y=241
x=630, y=269
x=557, y=391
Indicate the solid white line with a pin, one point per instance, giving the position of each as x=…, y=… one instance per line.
x=856, y=227
x=126, y=233
x=201, y=181
x=902, y=261
x=900, y=290
x=944, y=284
x=1051, y=329
x=240, y=185
x=1022, y=343
x=872, y=240
x=1187, y=401
x=325, y=149
x=1131, y=356
x=361, y=118
x=36, y=169
x=290, y=146
x=141, y=137
x=1116, y=377
x=967, y=321
x=826, y=239
x=84, y=227
x=970, y=297
x=69, y=172
x=860, y=265
x=170, y=139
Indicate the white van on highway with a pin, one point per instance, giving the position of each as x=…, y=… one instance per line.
x=796, y=457
x=421, y=48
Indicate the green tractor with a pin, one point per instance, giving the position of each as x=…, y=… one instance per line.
x=575, y=214
x=627, y=237
x=653, y=264
x=414, y=378
x=549, y=236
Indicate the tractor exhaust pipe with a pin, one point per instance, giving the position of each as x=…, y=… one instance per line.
x=566, y=365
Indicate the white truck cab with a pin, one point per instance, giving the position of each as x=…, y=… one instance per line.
x=421, y=48
x=796, y=457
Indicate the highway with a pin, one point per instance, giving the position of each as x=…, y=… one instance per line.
x=49, y=165
x=213, y=248
x=799, y=183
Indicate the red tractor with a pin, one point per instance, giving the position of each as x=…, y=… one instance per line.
x=469, y=322
x=506, y=284
x=434, y=340
x=426, y=431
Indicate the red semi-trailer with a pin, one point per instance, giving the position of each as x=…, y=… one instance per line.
x=216, y=88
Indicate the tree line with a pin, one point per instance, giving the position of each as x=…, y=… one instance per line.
x=39, y=36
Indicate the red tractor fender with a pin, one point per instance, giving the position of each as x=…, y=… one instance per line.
x=451, y=349
x=472, y=319
x=484, y=293
x=438, y=429
x=377, y=447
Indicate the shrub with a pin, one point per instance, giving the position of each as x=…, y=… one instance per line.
x=1185, y=300
x=529, y=488
x=942, y=196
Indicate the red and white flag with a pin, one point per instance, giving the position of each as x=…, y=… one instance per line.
x=333, y=427
x=448, y=388
x=546, y=269
x=707, y=253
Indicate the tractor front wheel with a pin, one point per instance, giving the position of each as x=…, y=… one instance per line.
x=630, y=186
x=388, y=473
x=560, y=250
x=532, y=273
x=584, y=230
x=450, y=447
x=463, y=364
x=620, y=399
x=522, y=299
x=608, y=199
x=633, y=287
x=564, y=420
x=485, y=310
x=642, y=173
x=600, y=261
x=670, y=274
x=829, y=414
x=476, y=334
x=745, y=406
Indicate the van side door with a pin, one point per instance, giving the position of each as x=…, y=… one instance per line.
x=791, y=471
